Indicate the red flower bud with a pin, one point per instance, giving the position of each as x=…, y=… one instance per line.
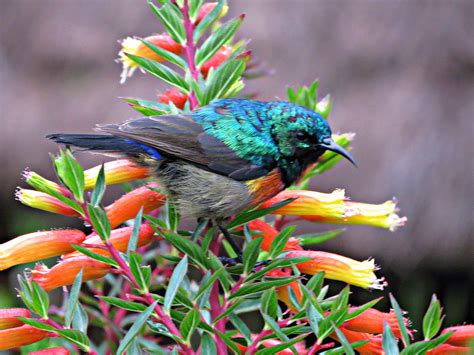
x=269, y=233
x=175, y=96
x=217, y=59
x=19, y=336
x=207, y=8
x=8, y=317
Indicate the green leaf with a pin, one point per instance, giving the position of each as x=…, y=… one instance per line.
x=216, y=40
x=342, y=339
x=316, y=282
x=208, y=283
x=73, y=299
x=94, y=256
x=173, y=216
x=80, y=319
x=250, y=254
x=132, y=242
x=129, y=306
x=317, y=238
x=189, y=324
x=361, y=309
x=207, y=345
x=401, y=323
x=207, y=21
x=155, y=108
x=270, y=303
x=241, y=327
x=222, y=80
x=274, y=264
x=279, y=243
x=37, y=324
x=261, y=286
x=75, y=337
x=229, y=342
x=188, y=247
x=422, y=347
x=248, y=216
x=276, y=329
x=135, y=329
x=172, y=19
x=70, y=173
x=389, y=343
x=432, y=319
x=161, y=71
x=40, y=299
x=314, y=317
x=194, y=7
x=99, y=221
x=167, y=55
x=175, y=282
x=137, y=271
x=99, y=189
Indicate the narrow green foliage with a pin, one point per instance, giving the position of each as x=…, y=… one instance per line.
x=175, y=282
x=80, y=319
x=432, y=319
x=318, y=238
x=75, y=337
x=172, y=19
x=269, y=303
x=343, y=340
x=241, y=327
x=129, y=306
x=99, y=189
x=278, y=244
x=140, y=273
x=389, y=342
x=73, y=299
x=70, y=173
x=250, y=254
x=207, y=21
x=133, y=241
x=261, y=286
x=95, y=256
x=99, y=221
x=222, y=79
x=169, y=56
x=207, y=345
x=401, y=322
x=189, y=324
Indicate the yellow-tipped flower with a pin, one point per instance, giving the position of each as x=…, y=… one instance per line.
x=119, y=239
x=136, y=47
x=127, y=206
x=43, y=201
x=37, y=246
x=8, y=317
x=334, y=208
x=19, y=336
x=64, y=272
x=338, y=267
x=116, y=172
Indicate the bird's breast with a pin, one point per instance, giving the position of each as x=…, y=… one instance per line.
x=265, y=187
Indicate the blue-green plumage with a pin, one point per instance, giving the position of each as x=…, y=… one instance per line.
x=207, y=158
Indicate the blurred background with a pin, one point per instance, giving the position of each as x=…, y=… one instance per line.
x=401, y=74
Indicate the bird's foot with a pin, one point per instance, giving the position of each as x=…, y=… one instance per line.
x=230, y=261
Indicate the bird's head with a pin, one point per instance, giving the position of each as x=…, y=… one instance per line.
x=302, y=133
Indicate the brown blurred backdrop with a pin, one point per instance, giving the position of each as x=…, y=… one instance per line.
x=401, y=74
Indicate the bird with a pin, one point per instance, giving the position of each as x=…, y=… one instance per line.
x=219, y=159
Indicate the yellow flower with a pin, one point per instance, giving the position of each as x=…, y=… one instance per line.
x=64, y=272
x=43, y=201
x=19, y=336
x=127, y=206
x=37, y=246
x=8, y=317
x=116, y=172
x=136, y=47
x=338, y=267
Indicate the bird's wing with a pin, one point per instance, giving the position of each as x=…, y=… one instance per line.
x=180, y=137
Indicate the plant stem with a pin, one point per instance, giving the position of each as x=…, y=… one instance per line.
x=190, y=51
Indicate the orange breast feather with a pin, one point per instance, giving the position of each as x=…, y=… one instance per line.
x=265, y=187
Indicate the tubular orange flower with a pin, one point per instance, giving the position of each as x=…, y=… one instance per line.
x=38, y=246
x=119, y=239
x=446, y=349
x=8, y=317
x=373, y=347
x=116, y=172
x=217, y=59
x=136, y=47
x=43, y=201
x=59, y=350
x=283, y=292
x=64, y=272
x=463, y=335
x=175, y=96
x=127, y=206
x=372, y=321
x=207, y=8
x=338, y=267
x=333, y=208
x=19, y=336
x=269, y=233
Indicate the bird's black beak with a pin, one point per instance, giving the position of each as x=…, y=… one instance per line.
x=329, y=144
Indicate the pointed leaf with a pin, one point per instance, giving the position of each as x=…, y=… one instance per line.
x=175, y=282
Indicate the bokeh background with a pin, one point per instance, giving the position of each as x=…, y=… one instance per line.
x=401, y=74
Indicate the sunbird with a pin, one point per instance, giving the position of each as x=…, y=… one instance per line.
x=220, y=159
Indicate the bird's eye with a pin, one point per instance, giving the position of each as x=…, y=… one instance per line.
x=302, y=135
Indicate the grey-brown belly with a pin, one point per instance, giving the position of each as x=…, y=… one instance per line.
x=200, y=193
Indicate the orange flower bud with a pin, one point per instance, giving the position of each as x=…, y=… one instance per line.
x=43, y=201
x=338, y=267
x=283, y=292
x=207, y=8
x=333, y=208
x=217, y=59
x=116, y=172
x=119, y=239
x=175, y=96
x=372, y=321
x=136, y=47
x=8, y=317
x=127, y=206
x=64, y=272
x=373, y=347
x=269, y=233
x=38, y=246
x=446, y=349
x=59, y=350
x=19, y=336
x=463, y=335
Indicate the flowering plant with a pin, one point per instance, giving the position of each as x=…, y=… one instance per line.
x=137, y=281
